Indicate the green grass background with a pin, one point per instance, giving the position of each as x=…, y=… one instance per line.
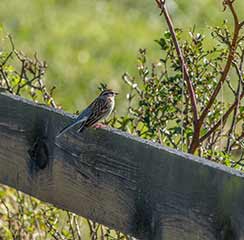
x=86, y=42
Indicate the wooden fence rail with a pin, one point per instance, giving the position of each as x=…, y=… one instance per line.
x=135, y=186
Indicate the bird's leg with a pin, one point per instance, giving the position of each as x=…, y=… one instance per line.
x=99, y=125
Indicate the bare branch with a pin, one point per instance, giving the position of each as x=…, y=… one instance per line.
x=223, y=119
x=130, y=82
x=232, y=50
x=229, y=3
x=234, y=119
x=6, y=80
x=11, y=52
x=226, y=69
x=161, y=4
x=230, y=86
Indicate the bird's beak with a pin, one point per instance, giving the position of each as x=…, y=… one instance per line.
x=116, y=93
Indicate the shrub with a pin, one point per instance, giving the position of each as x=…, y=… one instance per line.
x=177, y=101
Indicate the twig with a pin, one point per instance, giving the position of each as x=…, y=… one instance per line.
x=239, y=161
x=51, y=229
x=11, y=52
x=230, y=58
x=230, y=86
x=161, y=4
x=6, y=80
x=195, y=140
x=237, y=26
x=71, y=224
x=238, y=94
x=168, y=136
x=129, y=81
x=77, y=228
x=9, y=216
x=224, y=118
x=20, y=78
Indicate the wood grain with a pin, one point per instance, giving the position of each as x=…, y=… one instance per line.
x=135, y=186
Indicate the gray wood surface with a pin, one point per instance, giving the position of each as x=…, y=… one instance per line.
x=121, y=181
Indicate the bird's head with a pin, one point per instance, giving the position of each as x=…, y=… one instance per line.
x=108, y=93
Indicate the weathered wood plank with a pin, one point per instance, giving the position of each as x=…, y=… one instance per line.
x=124, y=182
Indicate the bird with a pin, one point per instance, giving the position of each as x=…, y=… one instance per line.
x=99, y=109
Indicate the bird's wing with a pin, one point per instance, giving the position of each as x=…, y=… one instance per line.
x=81, y=119
x=100, y=109
x=85, y=113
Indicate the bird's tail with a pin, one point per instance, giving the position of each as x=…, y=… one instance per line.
x=69, y=126
x=81, y=128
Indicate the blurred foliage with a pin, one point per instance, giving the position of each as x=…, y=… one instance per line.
x=87, y=42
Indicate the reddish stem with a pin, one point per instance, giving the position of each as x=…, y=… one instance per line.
x=162, y=6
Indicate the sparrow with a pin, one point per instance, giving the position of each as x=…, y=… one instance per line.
x=99, y=109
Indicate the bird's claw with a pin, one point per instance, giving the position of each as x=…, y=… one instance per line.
x=99, y=125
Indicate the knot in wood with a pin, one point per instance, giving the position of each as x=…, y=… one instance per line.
x=39, y=153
